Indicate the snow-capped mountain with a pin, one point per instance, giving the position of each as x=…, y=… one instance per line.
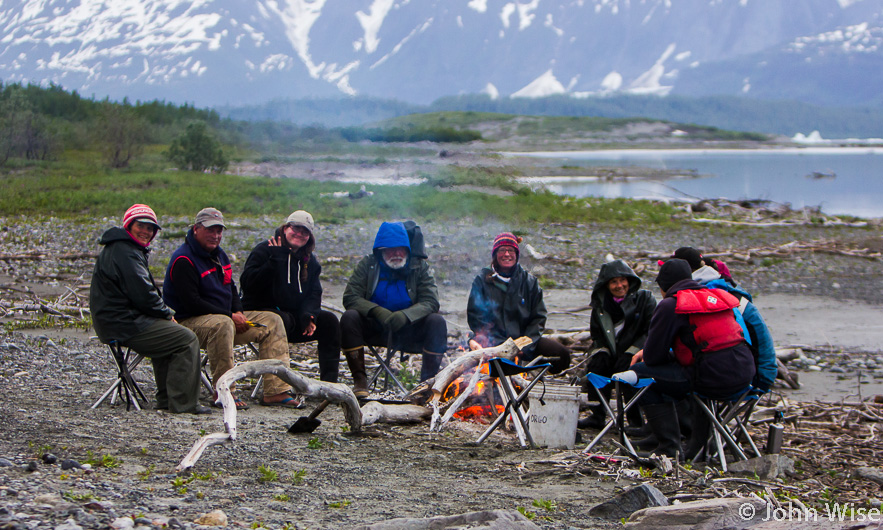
x=216, y=52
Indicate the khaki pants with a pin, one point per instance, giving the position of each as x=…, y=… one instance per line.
x=217, y=335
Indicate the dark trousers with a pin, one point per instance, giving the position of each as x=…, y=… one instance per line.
x=428, y=336
x=327, y=336
x=550, y=348
x=174, y=352
x=672, y=382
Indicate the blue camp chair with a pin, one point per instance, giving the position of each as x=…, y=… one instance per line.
x=617, y=418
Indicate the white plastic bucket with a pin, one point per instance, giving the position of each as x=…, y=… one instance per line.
x=553, y=424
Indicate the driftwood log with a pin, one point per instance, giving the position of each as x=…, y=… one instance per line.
x=376, y=412
x=333, y=392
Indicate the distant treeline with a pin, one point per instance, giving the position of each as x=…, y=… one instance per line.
x=724, y=112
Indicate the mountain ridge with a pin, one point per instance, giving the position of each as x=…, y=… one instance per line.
x=224, y=52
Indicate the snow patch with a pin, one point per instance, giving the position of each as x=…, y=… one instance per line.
x=395, y=49
x=544, y=85
x=506, y=13
x=649, y=81
x=550, y=23
x=372, y=21
x=478, y=5
x=612, y=81
x=491, y=91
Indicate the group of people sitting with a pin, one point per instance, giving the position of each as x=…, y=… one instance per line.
x=703, y=336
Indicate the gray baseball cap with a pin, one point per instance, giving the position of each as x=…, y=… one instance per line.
x=210, y=217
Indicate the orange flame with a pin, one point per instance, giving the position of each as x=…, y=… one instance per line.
x=482, y=413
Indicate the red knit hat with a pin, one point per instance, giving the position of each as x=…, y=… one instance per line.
x=140, y=212
x=506, y=239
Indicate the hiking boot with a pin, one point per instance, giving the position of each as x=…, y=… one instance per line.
x=356, y=361
x=595, y=420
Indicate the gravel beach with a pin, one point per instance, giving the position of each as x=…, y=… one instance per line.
x=829, y=303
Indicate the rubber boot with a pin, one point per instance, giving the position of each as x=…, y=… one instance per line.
x=595, y=420
x=328, y=365
x=699, y=436
x=685, y=417
x=430, y=365
x=355, y=358
x=662, y=418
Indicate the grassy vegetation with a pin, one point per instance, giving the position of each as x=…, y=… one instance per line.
x=72, y=189
x=551, y=126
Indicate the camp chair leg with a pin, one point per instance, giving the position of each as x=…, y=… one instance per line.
x=384, y=367
x=513, y=402
x=617, y=418
x=718, y=432
x=125, y=385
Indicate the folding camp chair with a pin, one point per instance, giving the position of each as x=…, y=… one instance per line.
x=502, y=370
x=125, y=385
x=617, y=418
x=383, y=368
x=729, y=421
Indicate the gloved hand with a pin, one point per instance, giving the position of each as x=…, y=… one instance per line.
x=380, y=314
x=629, y=376
x=395, y=321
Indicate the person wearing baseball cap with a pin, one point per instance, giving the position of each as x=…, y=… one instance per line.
x=199, y=287
x=127, y=308
x=282, y=275
x=506, y=302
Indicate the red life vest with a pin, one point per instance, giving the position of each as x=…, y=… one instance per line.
x=712, y=321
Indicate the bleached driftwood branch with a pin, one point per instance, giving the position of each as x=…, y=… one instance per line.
x=433, y=388
x=376, y=412
x=333, y=392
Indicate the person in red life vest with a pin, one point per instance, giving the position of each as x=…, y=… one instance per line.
x=694, y=344
x=199, y=287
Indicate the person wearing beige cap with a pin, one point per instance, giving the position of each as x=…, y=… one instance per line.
x=199, y=287
x=282, y=275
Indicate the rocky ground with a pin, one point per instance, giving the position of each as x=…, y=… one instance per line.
x=330, y=478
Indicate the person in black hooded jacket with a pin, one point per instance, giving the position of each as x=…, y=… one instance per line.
x=621, y=313
x=506, y=302
x=282, y=275
x=127, y=307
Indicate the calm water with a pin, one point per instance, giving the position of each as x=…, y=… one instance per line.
x=776, y=175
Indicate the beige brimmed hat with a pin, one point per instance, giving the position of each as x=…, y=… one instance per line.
x=301, y=218
x=210, y=217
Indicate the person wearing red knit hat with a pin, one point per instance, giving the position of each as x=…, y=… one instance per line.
x=127, y=307
x=506, y=302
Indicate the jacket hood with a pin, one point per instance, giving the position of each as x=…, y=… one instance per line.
x=705, y=274
x=615, y=269
x=726, y=286
x=112, y=235
x=391, y=235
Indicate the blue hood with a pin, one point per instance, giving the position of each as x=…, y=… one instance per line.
x=392, y=235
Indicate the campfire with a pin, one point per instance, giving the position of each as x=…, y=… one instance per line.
x=483, y=404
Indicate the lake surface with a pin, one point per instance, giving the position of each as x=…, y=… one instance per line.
x=853, y=181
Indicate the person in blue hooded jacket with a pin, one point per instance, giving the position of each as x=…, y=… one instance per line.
x=392, y=293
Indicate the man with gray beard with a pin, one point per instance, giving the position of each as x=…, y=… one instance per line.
x=392, y=293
